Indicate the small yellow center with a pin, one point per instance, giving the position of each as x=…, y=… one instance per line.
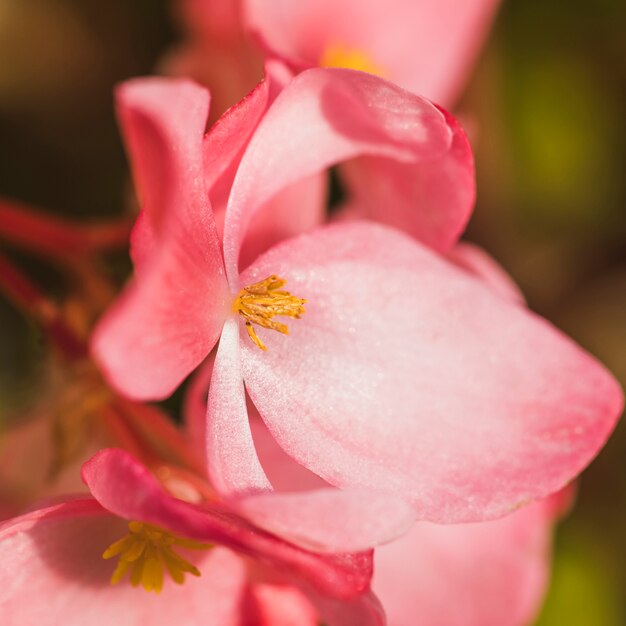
x=260, y=303
x=336, y=55
x=146, y=550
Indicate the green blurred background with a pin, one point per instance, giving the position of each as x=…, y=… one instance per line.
x=545, y=111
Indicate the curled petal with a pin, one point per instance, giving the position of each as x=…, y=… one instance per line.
x=325, y=116
x=168, y=319
x=431, y=202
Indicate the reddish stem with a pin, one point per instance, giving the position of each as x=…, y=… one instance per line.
x=25, y=295
x=154, y=423
x=57, y=237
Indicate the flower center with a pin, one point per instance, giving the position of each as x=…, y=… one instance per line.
x=337, y=55
x=261, y=302
x=146, y=550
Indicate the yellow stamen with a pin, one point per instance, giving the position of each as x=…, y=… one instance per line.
x=336, y=55
x=261, y=302
x=146, y=550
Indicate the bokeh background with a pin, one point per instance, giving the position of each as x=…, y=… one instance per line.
x=545, y=111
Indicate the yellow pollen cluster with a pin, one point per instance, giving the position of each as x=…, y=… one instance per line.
x=261, y=302
x=350, y=58
x=145, y=551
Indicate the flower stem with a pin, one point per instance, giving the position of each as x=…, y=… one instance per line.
x=25, y=295
x=56, y=237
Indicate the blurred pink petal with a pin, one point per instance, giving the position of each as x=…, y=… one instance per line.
x=278, y=605
x=426, y=47
x=489, y=574
x=215, y=51
x=427, y=384
x=26, y=458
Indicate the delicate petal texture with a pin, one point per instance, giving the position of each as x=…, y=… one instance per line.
x=53, y=573
x=325, y=116
x=330, y=520
x=426, y=47
x=126, y=488
x=408, y=375
x=476, y=261
x=232, y=461
x=431, y=202
x=166, y=322
x=488, y=574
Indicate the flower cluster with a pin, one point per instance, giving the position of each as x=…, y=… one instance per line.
x=375, y=422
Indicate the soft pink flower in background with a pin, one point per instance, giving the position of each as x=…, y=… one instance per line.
x=406, y=375
x=425, y=47
x=54, y=554
x=488, y=574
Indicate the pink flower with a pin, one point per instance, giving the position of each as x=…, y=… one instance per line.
x=405, y=374
x=427, y=48
x=59, y=561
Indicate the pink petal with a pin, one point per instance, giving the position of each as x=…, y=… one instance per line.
x=325, y=116
x=277, y=220
x=228, y=137
x=166, y=321
x=313, y=515
x=330, y=520
x=232, y=461
x=432, y=203
x=363, y=611
x=223, y=149
x=476, y=261
x=406, y=375
x=278, y=605
x=53, y=573
x=283, y=472
x=488, y=574
x=427, y=48
x=129, y=490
